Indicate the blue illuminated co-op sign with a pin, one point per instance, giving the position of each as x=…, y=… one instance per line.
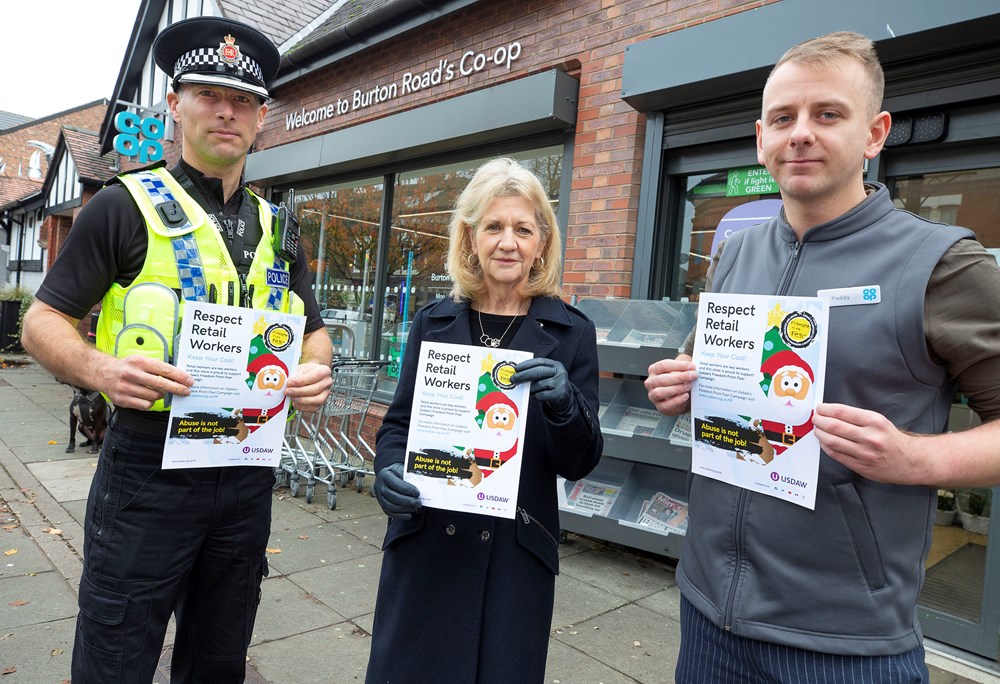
x=127, y=142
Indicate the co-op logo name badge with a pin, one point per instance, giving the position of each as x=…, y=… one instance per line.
x=492, y=497
x=778, y=477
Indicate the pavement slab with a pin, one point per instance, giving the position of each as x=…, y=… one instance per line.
x=67, y=480
x=285, y=608
x=40, y=652
x=348, y=587
x=35, y=599
x=319, y=656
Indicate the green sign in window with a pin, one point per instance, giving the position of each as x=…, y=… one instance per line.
x=752, y=180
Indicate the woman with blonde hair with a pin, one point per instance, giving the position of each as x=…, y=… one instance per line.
x=467, y=598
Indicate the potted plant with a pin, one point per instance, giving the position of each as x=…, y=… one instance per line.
x=946, y=507
x=974, y=507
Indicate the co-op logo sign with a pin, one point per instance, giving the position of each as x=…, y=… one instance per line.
x=468, y=63
x=492, y=497
x=778, y=477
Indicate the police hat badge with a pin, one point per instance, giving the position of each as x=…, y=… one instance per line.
x=217, y=51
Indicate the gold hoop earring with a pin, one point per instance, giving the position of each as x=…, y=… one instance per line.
x=469, y=257
x=541, y=265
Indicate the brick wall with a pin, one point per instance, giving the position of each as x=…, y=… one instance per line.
x=586, y=38
x=14, y=148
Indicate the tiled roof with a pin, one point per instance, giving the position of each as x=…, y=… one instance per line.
x=280, y=20
x=346, y=13
x=15, y=189
x=85, y=147
x=9, y=119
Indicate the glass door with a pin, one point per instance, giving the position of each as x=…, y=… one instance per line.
x=960, y=600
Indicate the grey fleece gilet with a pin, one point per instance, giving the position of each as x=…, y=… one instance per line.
x=842, y=578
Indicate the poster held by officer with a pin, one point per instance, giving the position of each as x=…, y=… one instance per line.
x=241, y=360
x=761, y=362
x=463, y=449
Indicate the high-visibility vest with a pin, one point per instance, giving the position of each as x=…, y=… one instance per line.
x=186, y=258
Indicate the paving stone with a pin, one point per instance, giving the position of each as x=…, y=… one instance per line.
x=40, y=652
x=321, y=656
x=566, y=665
x=627, y=575
x=348, y=587
x=327, y=544
x=577, y=601
x=48, y=598
x=632, y=640
x=28, y=559
x=286, y=608
x=66, y=480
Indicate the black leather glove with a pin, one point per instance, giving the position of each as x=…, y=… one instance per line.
x=397, y=497
x=549, y=383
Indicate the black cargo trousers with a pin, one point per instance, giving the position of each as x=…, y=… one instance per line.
x=187, y=541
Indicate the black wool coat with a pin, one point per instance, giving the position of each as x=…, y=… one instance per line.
x=466, y=598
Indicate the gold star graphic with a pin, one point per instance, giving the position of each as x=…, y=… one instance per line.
x=775, y=316
x=260, y=326
x=488, y=363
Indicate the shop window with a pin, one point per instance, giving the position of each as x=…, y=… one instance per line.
x=418, y=242
x=969, y=198
x=368, y=313
x=712, y=207
x=340, y=227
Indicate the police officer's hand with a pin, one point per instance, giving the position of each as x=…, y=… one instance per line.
x=397, y=497
x=138, y=381
x=549, y=383
x=309, y=386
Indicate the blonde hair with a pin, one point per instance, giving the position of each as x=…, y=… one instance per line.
x=823, y=50
x=502, y=177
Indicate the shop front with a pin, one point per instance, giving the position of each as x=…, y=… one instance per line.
x=941, y=162
x=639, y=119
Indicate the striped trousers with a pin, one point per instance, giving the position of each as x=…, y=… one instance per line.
x=711, y=655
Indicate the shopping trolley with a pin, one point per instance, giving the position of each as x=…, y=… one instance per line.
x=328, y=446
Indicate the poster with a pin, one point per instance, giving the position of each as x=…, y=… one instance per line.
x=240, y=360
x=463, y=449
x=761, y=361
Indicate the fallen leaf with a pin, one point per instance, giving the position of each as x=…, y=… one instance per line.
x=10, y=552
x=8, y=527
x=19, y=602
x=57, y=651
x=303, y=536
x=53, y=530
x=273, y=550
x=8, y=670
x=6, y=636
x=53, y=441
x=92, y=465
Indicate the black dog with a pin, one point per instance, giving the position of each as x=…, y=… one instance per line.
x=89, y=412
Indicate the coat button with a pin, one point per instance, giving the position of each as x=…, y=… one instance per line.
x=449, y=530
x=485, y=535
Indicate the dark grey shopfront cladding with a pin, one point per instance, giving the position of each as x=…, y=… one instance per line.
x=374, y=200
x=942, y=64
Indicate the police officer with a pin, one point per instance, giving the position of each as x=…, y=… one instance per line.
x=191, y=541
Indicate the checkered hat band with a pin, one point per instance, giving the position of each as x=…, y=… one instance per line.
x=208, y=58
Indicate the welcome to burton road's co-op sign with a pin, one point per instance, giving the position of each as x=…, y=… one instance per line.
x=469, y=63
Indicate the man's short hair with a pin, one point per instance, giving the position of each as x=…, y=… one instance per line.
x=823, y=50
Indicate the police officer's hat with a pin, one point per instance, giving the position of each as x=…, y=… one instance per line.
x=217, y=51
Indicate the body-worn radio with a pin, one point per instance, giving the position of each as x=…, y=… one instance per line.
x=285, y=233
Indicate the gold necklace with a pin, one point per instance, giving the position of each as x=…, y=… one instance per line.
x=493, y=341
